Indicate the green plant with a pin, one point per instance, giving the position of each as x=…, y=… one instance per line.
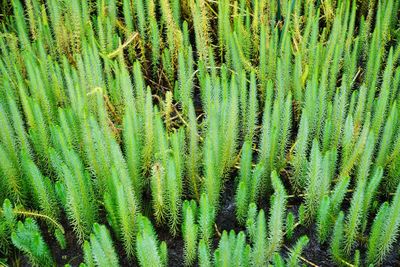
x=251, y=221
x=244, y=187
x=206, y=220
x=251, y=120
x=100, y=250
x=338, y=194
x=299, y=160
x=7, y=224
x=136, y=158
x=174, y=189
x=323, y=219
x=376, y=232
x=116, y=110
x=232, y=250
x=293, y=259
x=204, y=254
x=370, y=194
x=192, y=161
x=277, y=216
x=278, y=260
x=122, y=210
x=80, y=198
x=336, y=246
x=289, y=225
x=258, y=255
x=314, y=181
x=149, y=251
x=12, y=183
x=354, y=218
x=189, y=231
x=43, y=192
x=28, y=238
x=379, y=246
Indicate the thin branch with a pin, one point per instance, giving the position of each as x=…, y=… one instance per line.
x=32, y=213
x=123, y=46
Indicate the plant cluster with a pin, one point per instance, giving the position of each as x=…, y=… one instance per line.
x=127, y=119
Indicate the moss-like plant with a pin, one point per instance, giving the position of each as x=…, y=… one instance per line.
x=299, y=160
x=7, y=224
x=12, y=183
x=251, y=221
x=338, y=194
x=251, y=120
x=132, y=136
x=232, y=250
x=314, y=181
x=241, y=202
x=80, y=200
x=204, y=254
x=158, y=192
x=380, y=246
x=336, y=245
x=370, y=194
x=43, y=192
x=193, y=157
x=111, y=109
x=323, y=219
x=185, y=72
x=206, y=220
x=190, y=231
x=243, y=194
x=173, y=197
x=101, y=248
x=375, y=233
x=122, y=210
x=149, y=251
x=277, y=216
x=258, y=255
x=28, y=238
x=293, y=259
x=289, y=225
x=353, y=219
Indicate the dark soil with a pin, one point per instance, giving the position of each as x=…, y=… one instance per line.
x=71, y=255
x=175, y=247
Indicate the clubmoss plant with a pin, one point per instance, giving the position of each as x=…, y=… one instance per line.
x=28, y=238
x=115, y=110
x=293, y=259
x=147, y=242
x=190, y=231
x=101, y=248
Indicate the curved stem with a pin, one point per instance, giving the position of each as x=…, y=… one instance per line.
x=38, y=215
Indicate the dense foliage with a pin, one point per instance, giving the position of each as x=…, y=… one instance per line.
x=125, y=124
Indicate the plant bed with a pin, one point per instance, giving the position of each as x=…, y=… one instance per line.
x=199, y=133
